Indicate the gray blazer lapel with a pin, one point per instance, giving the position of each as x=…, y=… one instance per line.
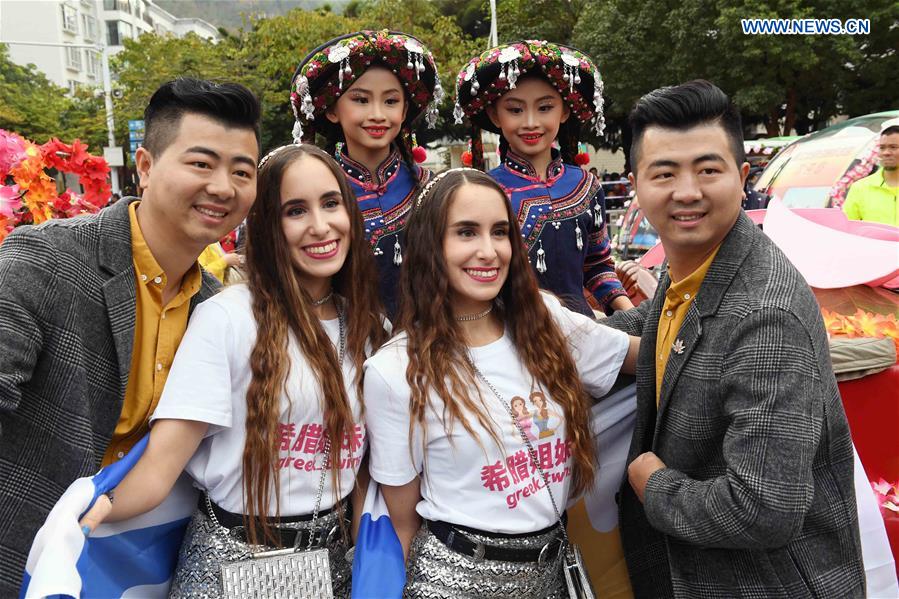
x=678, y=354
x=646, y=374
x=114, y=256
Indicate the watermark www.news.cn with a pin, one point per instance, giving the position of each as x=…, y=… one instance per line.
x=806, y=26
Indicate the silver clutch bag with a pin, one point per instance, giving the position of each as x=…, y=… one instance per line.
x=576, y=579
x=287, y=573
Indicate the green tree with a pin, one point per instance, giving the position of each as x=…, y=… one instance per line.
x=780, y=81
x=472, y=16
x=151, y=60
x=551, y=20
x=30, y=104
x=269, y=54
x=84, y=118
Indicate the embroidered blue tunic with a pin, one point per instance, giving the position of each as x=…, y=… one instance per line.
x=385, y=207
x=562, y=222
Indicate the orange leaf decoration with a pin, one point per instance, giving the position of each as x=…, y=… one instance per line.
x=862, y=324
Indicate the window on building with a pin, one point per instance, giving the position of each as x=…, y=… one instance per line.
x=112, y=34
x=73, y=58
x=69, y=18
x=117, y=32
x=94, y=64
x=89, y=27
x=122, y=5
x=73, y=86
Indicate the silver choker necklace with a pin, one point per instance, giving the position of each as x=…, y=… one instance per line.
x=477, y=316
x=324, y=300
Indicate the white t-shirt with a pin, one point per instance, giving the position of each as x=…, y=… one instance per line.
x=483, y=486
x=208, y=383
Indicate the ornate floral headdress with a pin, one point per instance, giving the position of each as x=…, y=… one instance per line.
x=329, y=70
x=487, y=77
x=490, y=75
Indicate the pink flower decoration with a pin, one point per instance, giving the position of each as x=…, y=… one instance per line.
x=887, y=495
x=10, y=200
x=12, y=152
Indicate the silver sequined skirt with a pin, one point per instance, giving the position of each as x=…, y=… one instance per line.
x=434, y=571
x=207, y=546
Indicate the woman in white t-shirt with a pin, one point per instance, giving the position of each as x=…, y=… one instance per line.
x=262, y=406
x=482, y=360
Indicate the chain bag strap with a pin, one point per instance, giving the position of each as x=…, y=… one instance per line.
x=293, y=572
x=576, y=579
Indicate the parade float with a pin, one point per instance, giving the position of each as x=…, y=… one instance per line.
x=28, y=192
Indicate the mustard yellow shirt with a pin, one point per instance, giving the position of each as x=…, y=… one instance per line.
x=677, y=301
x=158, y=330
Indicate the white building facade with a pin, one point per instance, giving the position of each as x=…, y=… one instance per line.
x=100, y=23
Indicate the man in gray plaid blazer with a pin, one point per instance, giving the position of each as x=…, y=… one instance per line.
x=69, y=295
x=740, y=477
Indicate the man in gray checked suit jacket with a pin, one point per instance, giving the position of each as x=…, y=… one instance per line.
x=740, y=476
x=70, y=292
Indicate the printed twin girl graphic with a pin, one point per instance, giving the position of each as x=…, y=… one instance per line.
x=541, y=417
x=517, y=476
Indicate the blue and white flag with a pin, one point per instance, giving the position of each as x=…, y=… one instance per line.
x=130, y=558
x=379, y=571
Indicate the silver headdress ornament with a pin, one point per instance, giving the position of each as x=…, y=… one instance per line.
x=306, y=107
x=340, y=55
x=599, y=121
x=571, y=65
x=427, y=189
x=415, y=56
x=431, y=114
x=508, y=57
x=276, y=151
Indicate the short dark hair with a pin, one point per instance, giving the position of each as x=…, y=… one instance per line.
x=891, y=130
x=231, y=104
x=683, y=107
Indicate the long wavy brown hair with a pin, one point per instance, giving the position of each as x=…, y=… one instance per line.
x=437, y=351
x=282, y=309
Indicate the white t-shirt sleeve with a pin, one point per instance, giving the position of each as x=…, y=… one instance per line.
x=387, y=421
x=199, y=383
x=598, y=351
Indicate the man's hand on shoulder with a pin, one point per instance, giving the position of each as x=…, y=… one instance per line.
x=639, y=471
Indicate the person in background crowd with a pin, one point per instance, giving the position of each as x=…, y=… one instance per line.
x=876, y=197
x=264, y=396
x=94, y=308
x=367, y=105
x=216, y=261
x=533, y=94
x=740, y=476
x=482, y=361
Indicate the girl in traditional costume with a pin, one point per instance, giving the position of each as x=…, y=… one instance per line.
x=535, y=93
x=262, y=407
x=474, y=497
x=365, y=93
